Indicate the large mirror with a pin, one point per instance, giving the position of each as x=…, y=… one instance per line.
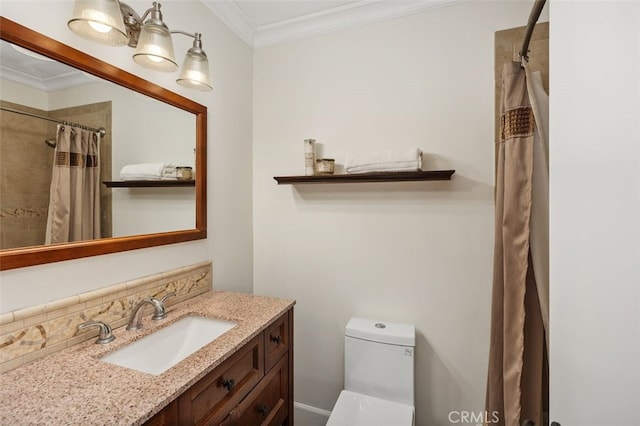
x=144, y=123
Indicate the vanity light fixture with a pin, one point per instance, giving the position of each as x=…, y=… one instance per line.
x=117, y=24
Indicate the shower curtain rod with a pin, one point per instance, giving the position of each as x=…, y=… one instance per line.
x=536, y=10
x=101, y=130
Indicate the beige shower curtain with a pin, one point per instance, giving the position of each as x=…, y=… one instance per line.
x=74, y=198
x=517, y=388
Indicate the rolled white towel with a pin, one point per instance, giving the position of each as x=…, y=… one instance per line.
x=407, y=160
x=146, y=171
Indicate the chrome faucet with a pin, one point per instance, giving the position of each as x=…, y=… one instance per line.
x=135, y=322
x=105, y=335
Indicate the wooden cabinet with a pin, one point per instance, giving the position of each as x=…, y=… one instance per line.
x=267, y=403
x=210, y=400
x=252, y=387
x=276, y=343
x=168, y=416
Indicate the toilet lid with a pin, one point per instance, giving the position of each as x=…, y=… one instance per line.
x=355, y=409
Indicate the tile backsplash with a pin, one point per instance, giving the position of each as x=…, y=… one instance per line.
x=34, y=332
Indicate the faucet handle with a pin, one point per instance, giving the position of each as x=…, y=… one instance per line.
x=159, y=306
x=166, y=296
x=105, y=335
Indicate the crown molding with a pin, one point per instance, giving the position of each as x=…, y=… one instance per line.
x=350, y=15
x=49, y=84
x=233, y=17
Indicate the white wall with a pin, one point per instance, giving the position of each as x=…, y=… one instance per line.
x=25, y=95
x=412, y=252
x=595, y=213
x=229, y=244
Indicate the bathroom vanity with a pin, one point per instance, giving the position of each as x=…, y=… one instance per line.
x=243, y=377
x=252, y=387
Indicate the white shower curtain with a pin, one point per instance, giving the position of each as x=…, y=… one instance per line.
x=74, y=198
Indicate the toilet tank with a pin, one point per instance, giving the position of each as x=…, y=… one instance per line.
x=379, y=359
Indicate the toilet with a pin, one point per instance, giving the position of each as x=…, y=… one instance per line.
x=378, y=375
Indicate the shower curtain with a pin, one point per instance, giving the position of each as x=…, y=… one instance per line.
x=517, y=387
x=74, y=197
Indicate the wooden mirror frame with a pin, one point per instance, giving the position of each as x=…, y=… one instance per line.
x=37, y=255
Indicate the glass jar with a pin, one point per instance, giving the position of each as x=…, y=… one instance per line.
x=184, y=173
x=325, y=166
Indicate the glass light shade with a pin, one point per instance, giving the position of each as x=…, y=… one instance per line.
x=155, y=48
x=99, y=20
x=195, y=71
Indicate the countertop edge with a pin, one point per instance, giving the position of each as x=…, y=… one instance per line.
x=87, y=389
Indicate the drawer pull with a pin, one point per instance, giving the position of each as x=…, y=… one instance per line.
x=229, y=384
x=262, y=409
x=276, y=339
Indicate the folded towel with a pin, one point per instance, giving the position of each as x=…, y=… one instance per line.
x=151, y=169
x=169, y=172
x=148, y=171
x=404, y=167
x=138, y=177
x=408, y=160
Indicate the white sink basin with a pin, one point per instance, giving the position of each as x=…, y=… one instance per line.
x=168, y=346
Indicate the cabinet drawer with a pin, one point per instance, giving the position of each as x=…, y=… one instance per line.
x=276, y=341
x=267, y=404
x=206, y=402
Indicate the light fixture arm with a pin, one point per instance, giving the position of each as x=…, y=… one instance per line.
x=197, y=42
x=195, y=35
x=155, y=12
x=133, y=22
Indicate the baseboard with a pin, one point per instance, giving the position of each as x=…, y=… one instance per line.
x=306, y=415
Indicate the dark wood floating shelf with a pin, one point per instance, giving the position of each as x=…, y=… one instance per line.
x=147, y=183
x=368, y=177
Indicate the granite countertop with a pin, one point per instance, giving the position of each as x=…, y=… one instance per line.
x=74, y=387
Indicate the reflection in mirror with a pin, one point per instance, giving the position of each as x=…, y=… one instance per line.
x=148, y=125
x=47, y=88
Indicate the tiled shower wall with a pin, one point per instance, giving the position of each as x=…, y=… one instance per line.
x=25, y=177
x=507, y=45
x=32, y=333
x=25, y=169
